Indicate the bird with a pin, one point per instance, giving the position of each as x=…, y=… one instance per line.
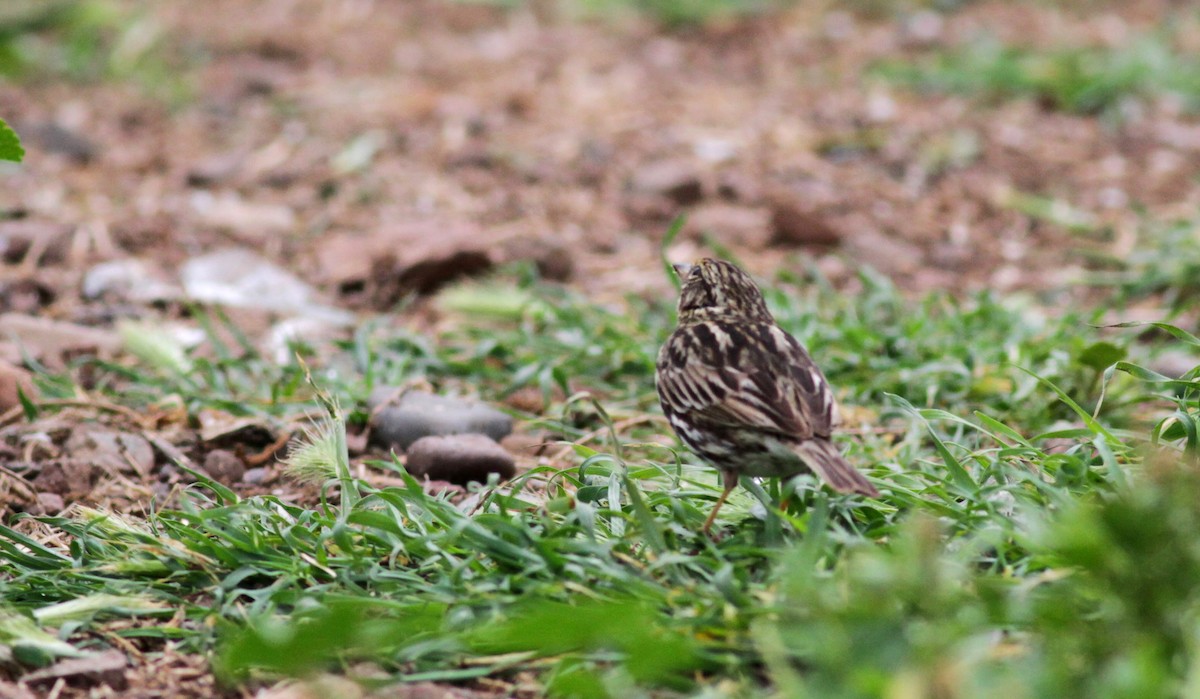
x=742, y=393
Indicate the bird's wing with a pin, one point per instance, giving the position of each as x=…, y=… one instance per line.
x=745, y=375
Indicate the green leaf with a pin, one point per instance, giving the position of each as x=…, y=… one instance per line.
x=1003, y=429
x=591, y=493
x=10, y=144
x=645, y=518
x=1152, y=376
x=1101, y=355
x=958, y=473
x=1178, y=333
x=1084, y=415
x=27, y=406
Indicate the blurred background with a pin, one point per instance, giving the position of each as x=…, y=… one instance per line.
x=384, y=147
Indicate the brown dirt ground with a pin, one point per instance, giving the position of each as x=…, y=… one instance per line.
x=523, y=133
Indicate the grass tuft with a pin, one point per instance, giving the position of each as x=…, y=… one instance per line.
x=1081, y=80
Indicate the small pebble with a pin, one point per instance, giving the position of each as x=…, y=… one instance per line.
x=459, y=458
x=418, y=414
x=224, y=467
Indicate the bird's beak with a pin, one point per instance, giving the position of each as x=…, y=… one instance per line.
x=682, y=269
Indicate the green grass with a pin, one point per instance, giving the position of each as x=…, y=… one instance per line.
x=1165, y=263
x=1082, y=80
x=1035, y=537
x=677, y=13
x=88, y=41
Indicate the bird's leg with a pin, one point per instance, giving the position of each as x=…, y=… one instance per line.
x=731, y=481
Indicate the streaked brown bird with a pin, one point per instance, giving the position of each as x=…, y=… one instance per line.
x=742, y=393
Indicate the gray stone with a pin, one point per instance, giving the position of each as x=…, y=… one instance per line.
x=224, y=466
x=417, y=414
x=459, y=458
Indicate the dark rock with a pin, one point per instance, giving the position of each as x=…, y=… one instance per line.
x=417, y=414
x=459, y=458
x=676, y=180
x=224, y=467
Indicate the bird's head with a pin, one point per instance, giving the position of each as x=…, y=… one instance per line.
x=718, y=289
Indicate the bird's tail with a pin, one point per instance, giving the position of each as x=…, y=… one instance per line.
x=823, y=457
